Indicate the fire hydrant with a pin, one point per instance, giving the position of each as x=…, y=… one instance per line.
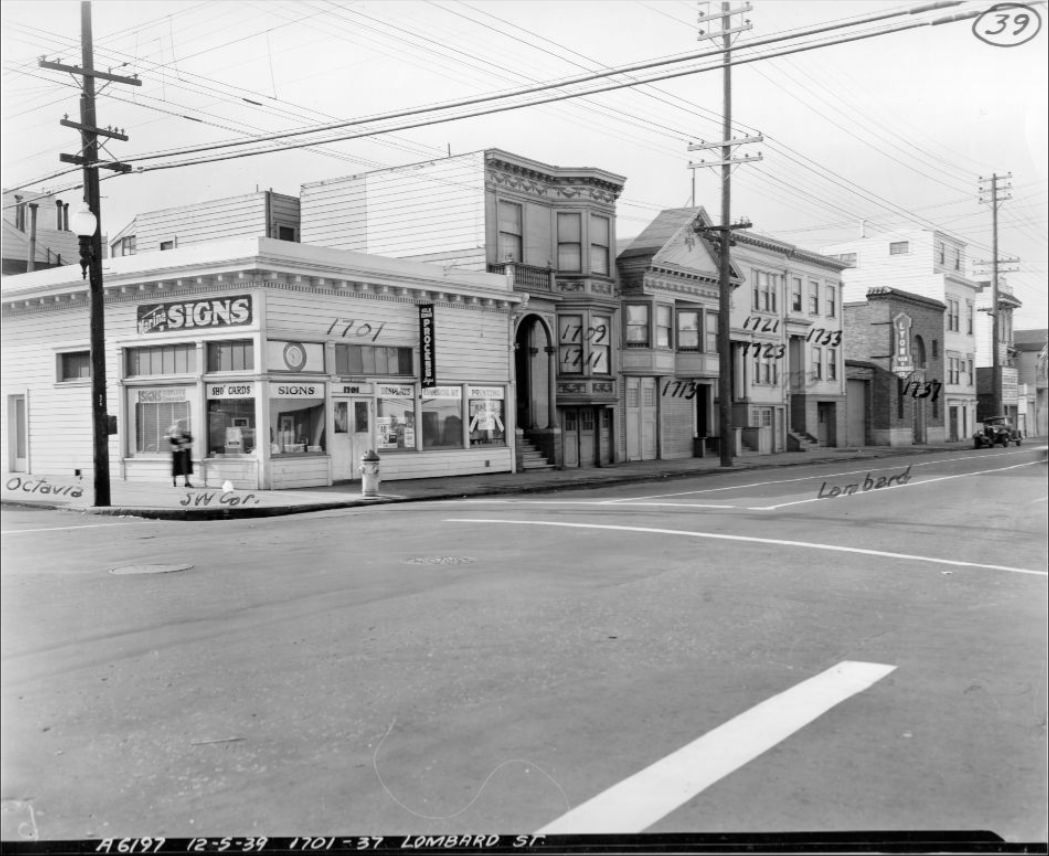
x=370, y=475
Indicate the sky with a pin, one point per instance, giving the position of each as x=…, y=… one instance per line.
x=891, y=132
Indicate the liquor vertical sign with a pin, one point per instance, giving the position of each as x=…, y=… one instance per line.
x=427, y=345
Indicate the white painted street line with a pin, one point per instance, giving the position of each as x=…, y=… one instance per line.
x=66, y=528
x=641, y=503
x=823, y=476
x=891, y=487
x=636, y=803
x=752, y=540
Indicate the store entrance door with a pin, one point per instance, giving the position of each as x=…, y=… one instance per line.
x=16, y=436
x=585, y=431
x=352, y=437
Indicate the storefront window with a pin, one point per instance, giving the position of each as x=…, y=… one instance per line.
x=487, y=415
x=161, y=360
x=395, y=417
x=155, y=410
x=442, y=418
x=231, y=423
x=237, y=356
x=296, y=418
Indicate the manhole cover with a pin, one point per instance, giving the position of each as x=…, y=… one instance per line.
x=149, y=569
x=441, y=560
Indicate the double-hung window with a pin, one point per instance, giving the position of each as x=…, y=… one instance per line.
x=764, y=291
x=510, y=232
x=814, y=297
x=795, y=294
x=569, y=243
x=664, y=326
x=600, y=238
x=637, y=335
x=688, y=330
x=830, y=298
x=953, y=315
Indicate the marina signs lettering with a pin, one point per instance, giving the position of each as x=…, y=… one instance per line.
x=193, y=314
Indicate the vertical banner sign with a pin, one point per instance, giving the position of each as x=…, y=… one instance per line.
x=427, y=345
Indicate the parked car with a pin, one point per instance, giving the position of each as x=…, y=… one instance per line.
x=996, y=431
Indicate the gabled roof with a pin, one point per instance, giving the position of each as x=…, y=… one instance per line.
x=656, y=234
x=1030, y=340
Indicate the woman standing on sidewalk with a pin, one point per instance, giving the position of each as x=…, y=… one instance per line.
x=181, y=452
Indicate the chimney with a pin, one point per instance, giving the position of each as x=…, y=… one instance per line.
x=58, y=213
x=31, y=261
x=19, y=213
x=65, y=217
x=863, y=228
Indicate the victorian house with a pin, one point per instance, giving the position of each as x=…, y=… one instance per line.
x=788, y=389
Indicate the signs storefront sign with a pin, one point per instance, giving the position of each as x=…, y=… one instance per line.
x=427, y=345
x=195, y=314
x=291, y=389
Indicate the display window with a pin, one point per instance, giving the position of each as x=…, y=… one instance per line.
x=154, y=410
x=442, y=417
x=297, y=418
x=395, y=417
x=486, y=406
x=231, y=427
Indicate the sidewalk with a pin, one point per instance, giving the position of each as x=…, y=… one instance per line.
x=162, y=501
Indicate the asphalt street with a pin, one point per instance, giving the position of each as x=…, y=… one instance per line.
x=830, y=647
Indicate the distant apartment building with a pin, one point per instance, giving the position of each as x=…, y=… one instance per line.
x=36, y=231
x=263, y=214
x=1008, y=303
x=1033, y=378
x=927, y=263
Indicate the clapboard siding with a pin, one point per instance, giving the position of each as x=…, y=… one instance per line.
x=59, y=414
x=472, y=345
x=423, y=465
x=233, y=217
x=917, y=271
x=471, y=342
x=300, y=472
x=310, y=315
x=435, y=207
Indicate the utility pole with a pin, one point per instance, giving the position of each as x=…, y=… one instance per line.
x=723, y=233
x=91, y=244
x=998, y=189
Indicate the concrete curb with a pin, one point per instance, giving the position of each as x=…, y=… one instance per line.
x=586, y=479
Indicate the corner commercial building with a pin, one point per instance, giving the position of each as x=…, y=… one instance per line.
x=288, y=362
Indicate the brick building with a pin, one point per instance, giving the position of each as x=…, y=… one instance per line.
x=894, y=369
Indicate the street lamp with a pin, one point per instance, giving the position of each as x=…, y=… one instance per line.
x=85, y=226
